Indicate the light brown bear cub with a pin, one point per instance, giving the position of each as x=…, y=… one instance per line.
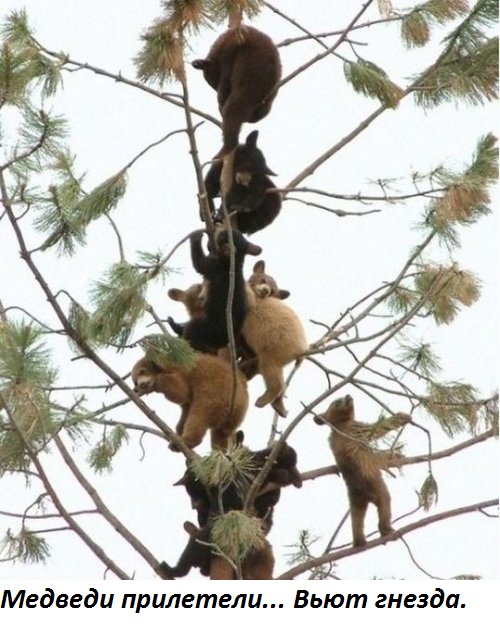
x=204, y=390
x=359, y=465
x=274, y=333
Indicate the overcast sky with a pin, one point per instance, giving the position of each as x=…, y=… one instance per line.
x=327, y=263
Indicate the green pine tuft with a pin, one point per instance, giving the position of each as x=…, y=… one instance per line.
x=101, y=456
x=371, y=80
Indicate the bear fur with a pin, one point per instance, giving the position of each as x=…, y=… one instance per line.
x=248, y=200
x=204, y=390
x=273, y=331
x=208, y=333
x=257, y=565
x=360, y=467
x=284, y=472
x=244, y=67
x=193, y=299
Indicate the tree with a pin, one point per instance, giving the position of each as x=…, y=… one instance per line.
x=369, y=241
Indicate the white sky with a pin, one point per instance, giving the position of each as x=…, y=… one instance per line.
x=325, y=261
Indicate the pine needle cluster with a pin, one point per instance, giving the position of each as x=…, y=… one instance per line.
x=22, y=65
x=467, y=70
x=416, y=26
x=166, y=349
x=101, y=456
x=26, y=374
x=236, y=534
x=219, y=469
x=454, y=405
x=26, y=547
x=467, y=193
x=372, y=81
x=161, y=58
x=445, y=290
x=428, y=495
x=420, y=358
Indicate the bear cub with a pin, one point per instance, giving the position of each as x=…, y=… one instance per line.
x=359, y=465
x=250, y=205
x=209, y=332
x=244, y=67
x=209, y=503
x=203, y=390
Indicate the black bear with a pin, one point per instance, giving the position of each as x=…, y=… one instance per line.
x=210, y=332
x=256, y=565
x=207, y=502
x=249, y=202
x=244, y=67
x=283, y=472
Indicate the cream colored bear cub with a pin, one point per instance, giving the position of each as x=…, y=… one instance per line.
x=274, y=333
x=204, y=390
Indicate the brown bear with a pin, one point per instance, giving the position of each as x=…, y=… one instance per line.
x=244, y=67
x=359, y=465
x=274, y=333
x=193, y=298
x=204, y=390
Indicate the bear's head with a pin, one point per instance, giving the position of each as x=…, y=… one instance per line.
x=193, y=299
x=144, y=376
x=249, y=161
x=264, y=285
x=339, y=411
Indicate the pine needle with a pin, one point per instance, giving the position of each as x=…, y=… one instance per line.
x=236, y=534
x=428, y=494
x=371, y=80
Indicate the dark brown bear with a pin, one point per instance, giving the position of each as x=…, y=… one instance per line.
x=248, y=201
x=283, y=472
x=244, y=67
x=359, y=465
x=258, y=565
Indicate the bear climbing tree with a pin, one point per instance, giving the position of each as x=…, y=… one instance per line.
x=376, y=223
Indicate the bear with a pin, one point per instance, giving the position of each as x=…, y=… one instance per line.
x=257, y=565
x=284, y=472
x=244, y=67
x=359, y=465
x=193, y=298
x=273, y=331
x=264, y=285
x=248, y=200
x=204, y=390
x=209, y=333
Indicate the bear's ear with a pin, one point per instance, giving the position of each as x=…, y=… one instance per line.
x=253, y=250
x=199, y=64
x=176, y=294
x=259, y=267
x=251, y=140
x=283, y=294
x=191, y=528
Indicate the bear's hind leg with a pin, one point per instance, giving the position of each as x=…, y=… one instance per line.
x=358, y=505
